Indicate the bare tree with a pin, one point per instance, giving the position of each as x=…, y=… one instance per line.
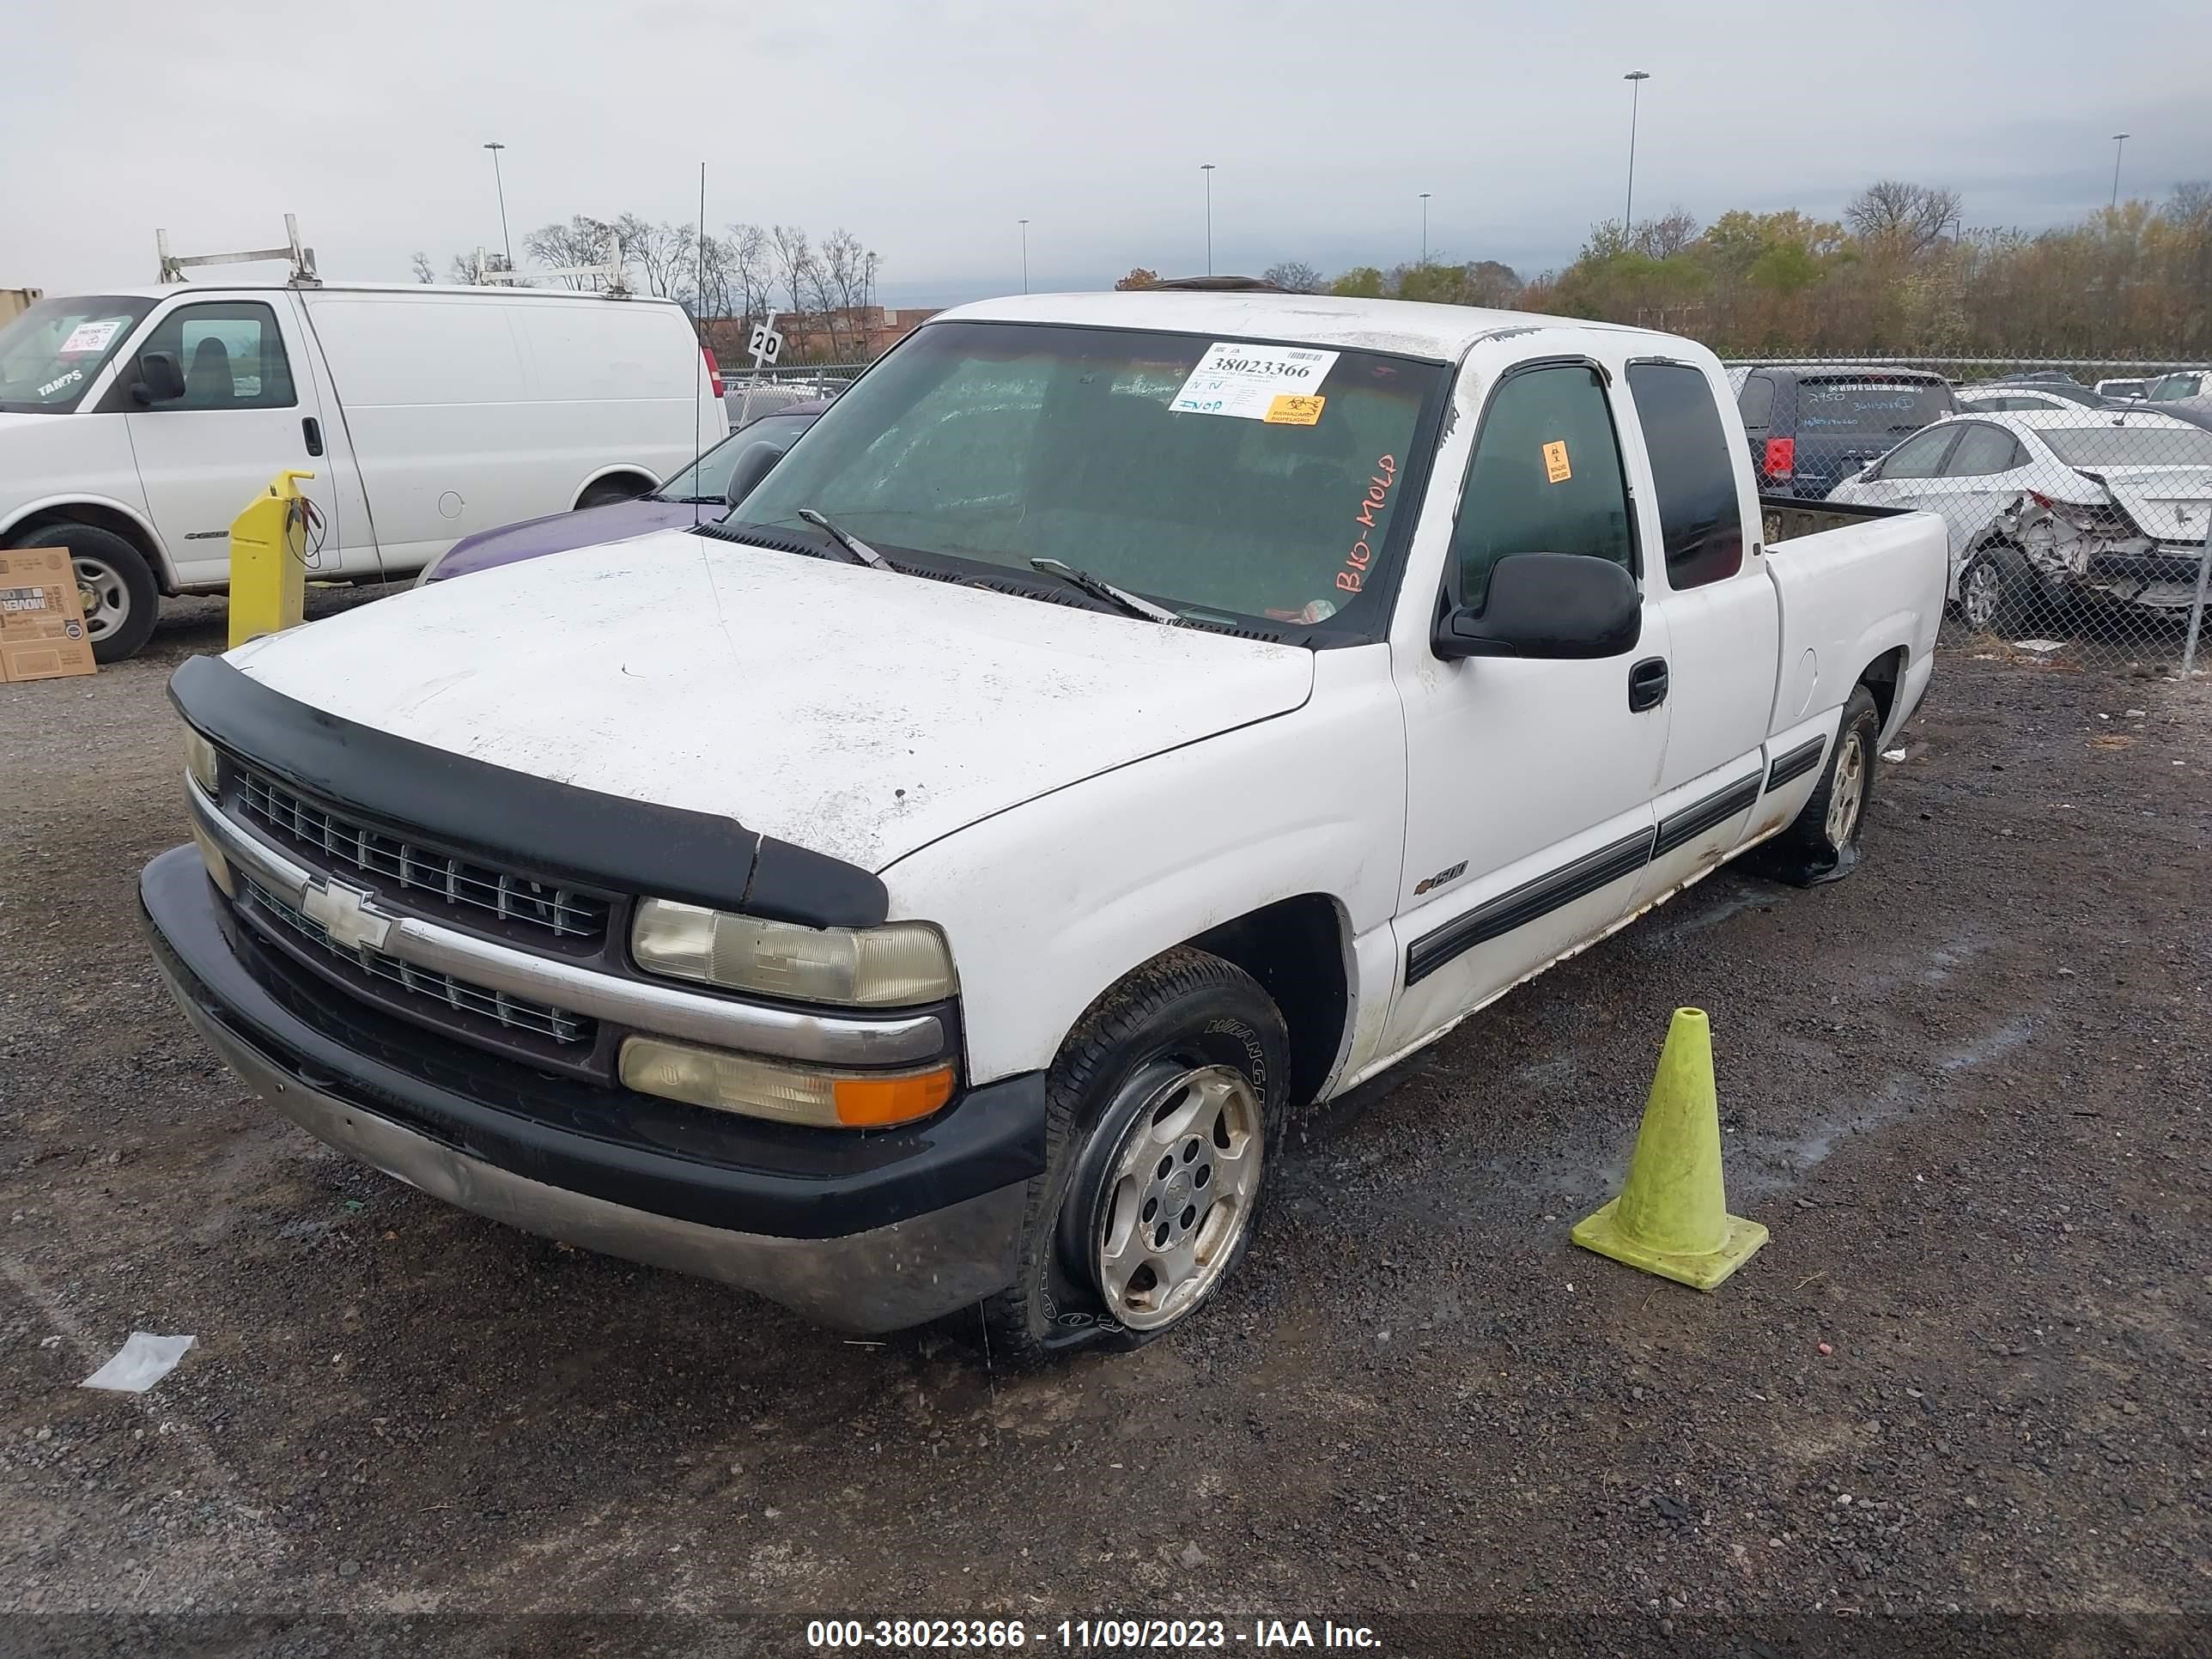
x=846, y=271
x=425, y=270
x=666, y=255
x=1904, y=217
x=793, y=257
x=1294, y=275
x=581, y=241
x=1666, y=236
x=751, y=270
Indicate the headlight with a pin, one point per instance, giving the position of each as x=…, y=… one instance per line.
x=900, y=963
x=200, y=760
x=789, y=1094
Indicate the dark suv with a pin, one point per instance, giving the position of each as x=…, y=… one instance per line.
x=1811, y=425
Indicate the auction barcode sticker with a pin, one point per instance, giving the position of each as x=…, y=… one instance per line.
x=1247, y=381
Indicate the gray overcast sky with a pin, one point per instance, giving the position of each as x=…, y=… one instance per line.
x=929, y=126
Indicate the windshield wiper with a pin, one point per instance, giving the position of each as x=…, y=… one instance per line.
x=861, y=552
x=1120, y=596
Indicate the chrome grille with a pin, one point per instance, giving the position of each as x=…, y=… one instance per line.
x=513, y=1012
x=559, y=910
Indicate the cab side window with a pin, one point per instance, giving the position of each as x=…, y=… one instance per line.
x=1693, y=471
x=1546, y=478
x=231, y=354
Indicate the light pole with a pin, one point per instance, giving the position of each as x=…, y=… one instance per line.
x=1025, y=254
x=1207, y=167
x=1635, y=78
x=1425, y=227
x=506, y=241
x=2119, y=145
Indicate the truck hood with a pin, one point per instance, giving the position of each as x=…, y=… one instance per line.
x=854, y=711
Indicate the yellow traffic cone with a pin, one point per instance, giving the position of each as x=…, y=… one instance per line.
x=1672, y=1218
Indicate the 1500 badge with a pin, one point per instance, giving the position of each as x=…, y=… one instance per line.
x=1429, y=884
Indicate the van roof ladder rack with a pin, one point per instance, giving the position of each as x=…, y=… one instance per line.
x=483, y=272
x=302, y=259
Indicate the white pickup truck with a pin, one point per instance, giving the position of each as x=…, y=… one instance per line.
x=1120, y=722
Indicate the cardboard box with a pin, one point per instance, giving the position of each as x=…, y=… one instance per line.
x=42, y=633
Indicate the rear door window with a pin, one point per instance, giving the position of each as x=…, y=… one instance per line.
x=1921, y=456
x=1693, y=471
x=1982, y=451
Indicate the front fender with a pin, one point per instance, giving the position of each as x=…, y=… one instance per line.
x=1050, y=902
x=165, y=570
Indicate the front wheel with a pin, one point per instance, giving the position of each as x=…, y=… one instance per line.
x=1822, y=842
x=1164, y=1109
x=115, y=588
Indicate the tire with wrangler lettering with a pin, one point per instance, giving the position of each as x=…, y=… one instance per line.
x=1164, y=1112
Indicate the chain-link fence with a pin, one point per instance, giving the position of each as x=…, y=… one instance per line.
x=2077, y=495
x=750, y=395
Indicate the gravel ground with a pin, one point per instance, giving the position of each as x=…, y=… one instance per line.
x=1958, y=1403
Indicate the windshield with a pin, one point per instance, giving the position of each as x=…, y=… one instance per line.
x=1249, y=481
x=50, y=355
x=2130, y=445
x=2168, y=388
x=709, y=477
x=1869, y=409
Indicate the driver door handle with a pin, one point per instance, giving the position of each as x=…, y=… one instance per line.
x=312, y=430
x=1647, y=685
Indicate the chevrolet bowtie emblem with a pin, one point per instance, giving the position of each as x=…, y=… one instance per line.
x=347, y=915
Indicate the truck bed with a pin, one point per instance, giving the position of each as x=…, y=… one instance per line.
x=1786, y=518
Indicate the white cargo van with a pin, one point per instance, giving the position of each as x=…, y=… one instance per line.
x=136, y=425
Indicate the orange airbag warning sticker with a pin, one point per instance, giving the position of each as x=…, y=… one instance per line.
x=1291, y=409
x=1555, y=463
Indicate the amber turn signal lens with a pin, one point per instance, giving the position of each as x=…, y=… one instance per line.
x=864, y=1102
x=728, y=1082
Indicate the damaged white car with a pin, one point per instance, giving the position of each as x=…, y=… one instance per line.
x=2049, y=506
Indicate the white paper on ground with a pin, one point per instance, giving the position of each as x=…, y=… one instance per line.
x=141, y=1363
x=1245, y=381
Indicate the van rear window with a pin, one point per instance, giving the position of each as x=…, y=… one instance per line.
x=1868, y=409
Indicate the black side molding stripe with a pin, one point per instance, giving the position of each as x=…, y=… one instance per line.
x=1797, y=763
x=1527, y=902
x=1695, y=819
x=518, y=818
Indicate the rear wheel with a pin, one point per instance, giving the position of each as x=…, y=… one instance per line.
x=115, y=588
x=1822, y=842
x=1998, y=593
x=1164, y=1113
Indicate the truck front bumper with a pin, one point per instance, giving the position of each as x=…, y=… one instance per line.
x=866, y=1233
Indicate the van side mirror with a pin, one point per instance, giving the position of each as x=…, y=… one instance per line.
x=1558, y=606
x=752, y=467
x=160, y=380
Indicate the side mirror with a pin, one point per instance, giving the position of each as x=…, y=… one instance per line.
x=160, y=380
x=752, y=467
x=1558, y=606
